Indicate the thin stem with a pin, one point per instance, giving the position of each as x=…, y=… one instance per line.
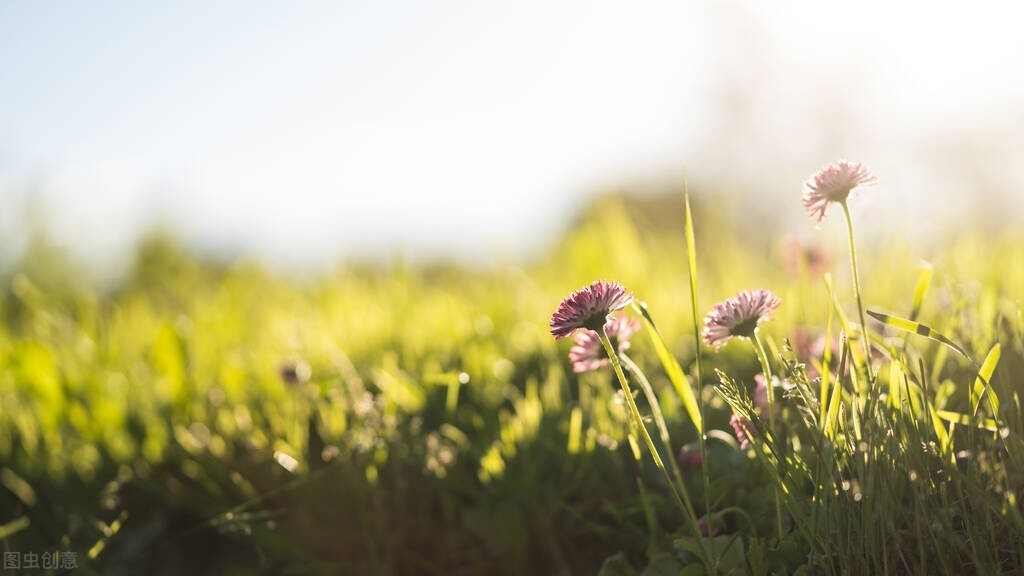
x=766, y=369
x=681, y=496
x=856, y=292
x=659, y=420
x=659, y=417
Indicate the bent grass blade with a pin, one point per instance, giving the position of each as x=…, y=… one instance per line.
x=919, y=329
x=983, y=382
x=989, y=424
x=672, y=368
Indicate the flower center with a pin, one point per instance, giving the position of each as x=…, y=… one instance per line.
x=745, y=328
x=596, y=321
x=839, y=194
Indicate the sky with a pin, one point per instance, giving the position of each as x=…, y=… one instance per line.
x=303, y=132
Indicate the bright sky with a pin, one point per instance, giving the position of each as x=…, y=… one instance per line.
x=301, y=132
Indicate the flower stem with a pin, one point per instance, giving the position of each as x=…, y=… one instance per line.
x=681, y=496
x=766, y=369
x=659, y=417
x=659, y=421
x=856, y=292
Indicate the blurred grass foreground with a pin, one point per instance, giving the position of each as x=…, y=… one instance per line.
x=212, y=418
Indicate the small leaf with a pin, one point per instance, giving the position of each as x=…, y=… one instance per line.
x=662, y=564
x=757, y=557
x=729, y=550
x=617, y=565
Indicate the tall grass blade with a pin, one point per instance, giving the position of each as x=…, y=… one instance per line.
x=691, y=263
x=672, y=368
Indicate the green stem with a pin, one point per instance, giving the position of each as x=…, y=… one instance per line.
x=681, y=496
x=766, y=369
x=659, y=417
x=856, y=292
x=659, y=421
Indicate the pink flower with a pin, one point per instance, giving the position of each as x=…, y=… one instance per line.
x=817, y=350
x=710, y=524
x=803, y=344
x=589, y=354
x=739, y=316
x=833, y=183
x=741, y=425
x=690, y=456
x=760, y=398
x=589, y=307
x=743, y=428
x=798, y=257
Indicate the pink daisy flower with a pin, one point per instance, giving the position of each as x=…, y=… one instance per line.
x=739, y=316
x=589, y=308
x=743, y=428
x=799, y=256
x=689, y=455
x=741, y=425
x=760, y=398
x=833, y=183
x=589, y=354
x=710, y=525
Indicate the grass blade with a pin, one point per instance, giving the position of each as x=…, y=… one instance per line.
x=575, y=429
x=13, y=527
x=919, y=329
x=844, y=322
x=672, y=368
x=895, y=380
x=966, y=420
x=983, y=382
x=691, y=263
x=826, y=362
x=945, y=441
x=831, y=424
x=924, y=279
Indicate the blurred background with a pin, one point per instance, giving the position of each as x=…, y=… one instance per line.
x=305, y=134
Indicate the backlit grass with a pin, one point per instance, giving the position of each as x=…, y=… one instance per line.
x=404, y=418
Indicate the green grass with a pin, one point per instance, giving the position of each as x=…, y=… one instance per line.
x=148, y=426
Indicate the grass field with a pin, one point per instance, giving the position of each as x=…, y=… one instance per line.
x=398, y=418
